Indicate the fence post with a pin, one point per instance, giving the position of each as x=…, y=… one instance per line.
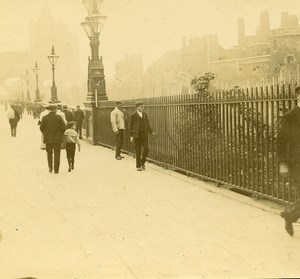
x=90, y=121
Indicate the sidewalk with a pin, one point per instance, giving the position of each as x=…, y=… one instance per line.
x=106, y=220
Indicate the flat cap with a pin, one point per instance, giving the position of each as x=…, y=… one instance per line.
x=139, y=103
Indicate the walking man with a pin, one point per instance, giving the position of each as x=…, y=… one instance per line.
x=69, y=115
x=139, y=130
x=118, y=125
x=44, y=113
x=60, y=113
x=79, y=116
x=288, y=152
x=13, y=118
x=53, y=128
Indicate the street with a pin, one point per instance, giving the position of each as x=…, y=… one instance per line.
x=106, y=220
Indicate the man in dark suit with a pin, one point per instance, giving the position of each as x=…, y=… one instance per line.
x=139, y=130
x=53, y=128
x=68, y=114
x=79, y=116
x=288, y=152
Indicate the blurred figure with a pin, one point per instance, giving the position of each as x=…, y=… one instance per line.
x=19, y=109
x=13, y=118
x=60, y=113
x=53, y=128
x=71, y=139
x=288, y=154
x=44, y=113
x=79, y=116
x=139, y=130
x=68, y=115
x=118, y=125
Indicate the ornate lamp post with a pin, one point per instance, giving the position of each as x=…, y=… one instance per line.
x=37, y=91
x=28, y=92
x=53, y=59
x=93, y=25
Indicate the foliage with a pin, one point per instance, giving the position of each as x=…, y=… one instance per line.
x=201, y=84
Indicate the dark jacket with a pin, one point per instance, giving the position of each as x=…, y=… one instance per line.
x=16, y=119
x=288, y=140
x=79, y=116
x=53, y=128
x=135, y=124
x=69, y=115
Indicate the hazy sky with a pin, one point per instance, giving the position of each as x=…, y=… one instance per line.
x=146, y=27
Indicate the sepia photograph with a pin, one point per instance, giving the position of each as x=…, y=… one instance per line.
x=149, y=139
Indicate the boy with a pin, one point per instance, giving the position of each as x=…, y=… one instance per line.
x=71, y=139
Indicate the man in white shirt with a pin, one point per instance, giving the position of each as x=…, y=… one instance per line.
x=117, y=119
x=44, y=113
x=61, y=113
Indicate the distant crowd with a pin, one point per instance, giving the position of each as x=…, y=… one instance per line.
x=60, y=127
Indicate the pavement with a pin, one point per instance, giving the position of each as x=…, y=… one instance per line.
x=106, y=220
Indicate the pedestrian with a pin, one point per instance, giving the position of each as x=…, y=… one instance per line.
x=71, y=139
x=139, y=130
x=53, y=128
x=69, y=115
x=19, y=109
x=13, y=118
x=44, y=113
x=60, y=113
x=79, y=116
x=118, y=125
x=288, y=152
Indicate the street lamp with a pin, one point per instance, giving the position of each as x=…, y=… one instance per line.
x=92, y=26
x=28, y=92
x=37, y=91
x=53, y=59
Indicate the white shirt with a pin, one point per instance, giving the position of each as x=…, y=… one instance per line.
x=140, y=113
x=117, y=120
x=43, y=113
x=63, y=116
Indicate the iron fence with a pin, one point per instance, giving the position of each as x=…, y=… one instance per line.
x=228, y=137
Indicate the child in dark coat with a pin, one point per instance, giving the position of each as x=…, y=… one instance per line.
x=71, y=139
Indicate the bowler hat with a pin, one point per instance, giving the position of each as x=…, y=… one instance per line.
x=139, y=103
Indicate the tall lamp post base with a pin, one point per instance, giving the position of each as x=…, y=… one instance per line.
x=54, y=94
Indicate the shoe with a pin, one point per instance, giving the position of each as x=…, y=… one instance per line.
x=122, y=156
x=72, y=167
x=143, y=167
x=139, y=169
x=69, y=170
x=50, y=171
x=56, y=172
x=289, y=227
x=119, y=158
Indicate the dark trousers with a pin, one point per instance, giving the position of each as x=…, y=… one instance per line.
x=120, y=140
x=79, y=129
x=13, y=127
x=53, y=148
x=70, y=149
x=293, y=211
x=141, y=142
